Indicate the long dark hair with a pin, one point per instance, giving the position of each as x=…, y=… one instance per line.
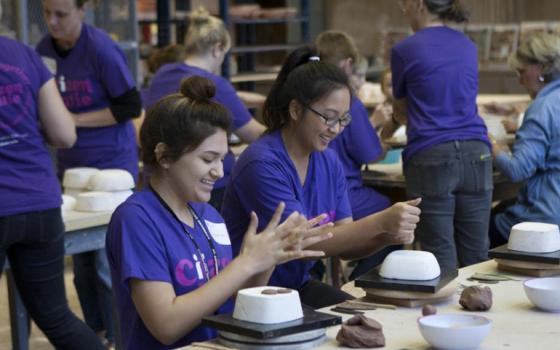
x=303, y=78
x=182, y=121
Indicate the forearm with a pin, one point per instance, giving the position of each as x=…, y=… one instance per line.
x=400, y=111
x=176, y=317
x=352, y=240
x=94, y=119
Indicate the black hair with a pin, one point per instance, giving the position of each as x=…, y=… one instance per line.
x=303, y=78
x=448, y=10
x=183, y=120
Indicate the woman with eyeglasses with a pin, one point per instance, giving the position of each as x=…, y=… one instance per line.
x=305, y=110
x=447, y=159
x=535, y=157
x=358, y=143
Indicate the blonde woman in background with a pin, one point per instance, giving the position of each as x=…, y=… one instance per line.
x=535, y=156
x=206, y=45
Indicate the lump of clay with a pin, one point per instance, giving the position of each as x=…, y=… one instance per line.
x=361, y=332
x=428, y=310
x=476, y=298
x=269, y=291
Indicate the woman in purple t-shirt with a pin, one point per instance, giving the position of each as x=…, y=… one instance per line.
x=170, y=252
x=31, y=228
x=447, y=159
x=96, y=85
x=305, y=110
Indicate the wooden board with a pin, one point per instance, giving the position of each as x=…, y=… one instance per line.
x=502, y=252
x=372, y=279
x=528, y=268
x=410, y=298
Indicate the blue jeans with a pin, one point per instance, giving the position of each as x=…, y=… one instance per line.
x=454, y=180
x=92, y=279
x=34, y=243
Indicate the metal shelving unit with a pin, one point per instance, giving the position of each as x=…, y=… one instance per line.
x=246, y=47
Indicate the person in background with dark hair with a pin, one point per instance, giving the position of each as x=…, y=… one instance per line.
x=169, y=250
x=96, y=85
x=207, y=42
x=32, y=114
x=447, y=159
x=306, y=109
x=357, y=144
x=535, y=156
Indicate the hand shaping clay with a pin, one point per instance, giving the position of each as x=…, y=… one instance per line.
x=476, y=298
x=361, y=332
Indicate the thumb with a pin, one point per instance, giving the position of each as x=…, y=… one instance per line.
x=414, y=202
x=252, y=228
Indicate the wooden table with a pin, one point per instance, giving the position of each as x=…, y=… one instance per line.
x=84, y=232
x=517, y=324
x=394, y=186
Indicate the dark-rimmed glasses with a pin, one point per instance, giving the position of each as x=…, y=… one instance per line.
x=343, y=120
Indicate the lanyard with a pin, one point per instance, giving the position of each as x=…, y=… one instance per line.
x=204, y=229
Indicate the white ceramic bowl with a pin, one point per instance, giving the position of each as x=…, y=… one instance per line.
x=253, y=306
x=454, y=331
x=413, y=265
x=544, y=293
x=534, y=237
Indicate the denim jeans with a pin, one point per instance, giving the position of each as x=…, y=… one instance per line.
x=454, y=180
x=34, y=243
x=92, y=279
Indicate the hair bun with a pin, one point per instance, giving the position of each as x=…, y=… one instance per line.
x=199, y=17
x=197, y=88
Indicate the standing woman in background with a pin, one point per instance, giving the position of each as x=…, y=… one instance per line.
x=357, y=144
x=31, y=229
x=447, y=159
x=97, y=86
x=207, y=43
x=535, y=158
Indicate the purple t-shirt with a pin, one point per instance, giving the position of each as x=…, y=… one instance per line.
x=264, y=176
x=27, y=178
x=144, y=241
x=359, y=144
x=93, y=73
x=167, y=80
x=436, y=70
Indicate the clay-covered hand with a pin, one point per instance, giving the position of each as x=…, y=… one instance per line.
x=399, y=222
x=281, y=242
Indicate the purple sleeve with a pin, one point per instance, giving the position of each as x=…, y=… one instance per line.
x=397, y=71
x=114, y=71
x=261, y=187
x=227, y=96
x=361, y=142
x=134, y=247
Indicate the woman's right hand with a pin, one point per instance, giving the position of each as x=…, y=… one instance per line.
x=282, y=242
x=399, y=222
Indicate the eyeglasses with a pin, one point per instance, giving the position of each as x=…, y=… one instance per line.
x=331, y=122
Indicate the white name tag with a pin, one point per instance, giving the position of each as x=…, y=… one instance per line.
x=219, y=232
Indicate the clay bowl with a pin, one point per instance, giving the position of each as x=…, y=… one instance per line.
x=454, y=331
x=544, y=293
